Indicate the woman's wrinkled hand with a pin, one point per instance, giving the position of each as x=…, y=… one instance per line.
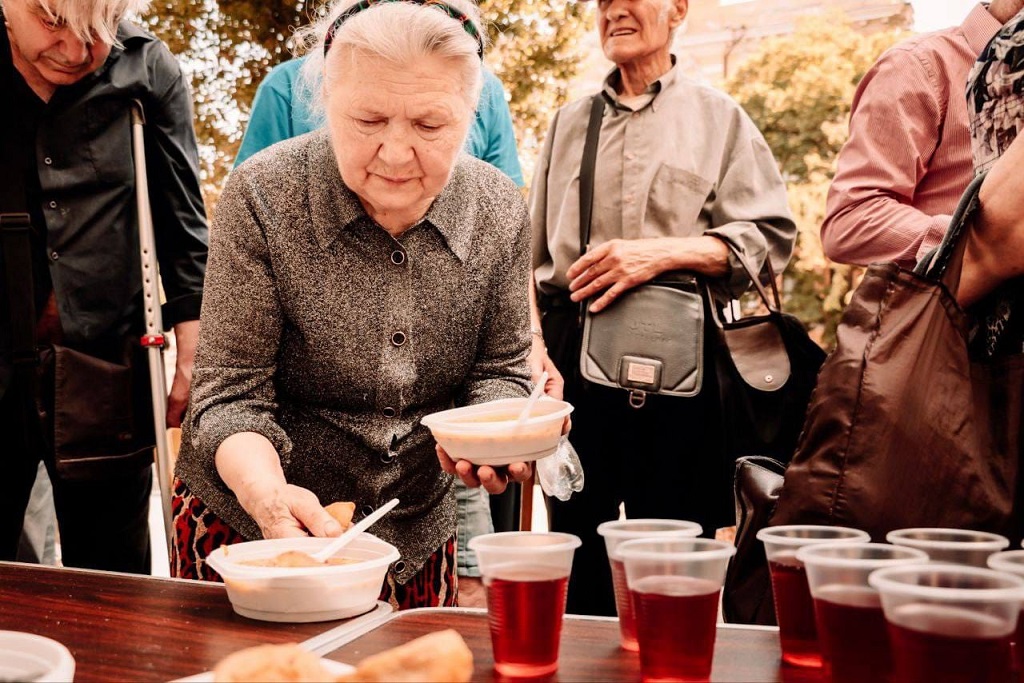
x=289, y=511
x=494, y=479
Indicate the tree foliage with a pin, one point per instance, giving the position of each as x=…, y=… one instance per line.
x=798, y=89
x=228, y=46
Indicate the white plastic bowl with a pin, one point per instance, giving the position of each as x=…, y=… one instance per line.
x=28, y=657
x=303, y=594
x=487, y=433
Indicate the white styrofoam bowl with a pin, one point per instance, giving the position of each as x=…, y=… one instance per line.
x=30, y=657
x=488, y=434
x=304, y=594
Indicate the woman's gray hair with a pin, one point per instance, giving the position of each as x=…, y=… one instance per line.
x=398, y=32
x=92, y=20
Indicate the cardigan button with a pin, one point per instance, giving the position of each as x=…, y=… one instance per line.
x=398, y=257
x=398, y=338
x=399, y=567
x=389, y=412
x=366, y=510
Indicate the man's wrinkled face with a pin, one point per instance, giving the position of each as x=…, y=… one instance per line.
x=46, y=51
x=632, y=30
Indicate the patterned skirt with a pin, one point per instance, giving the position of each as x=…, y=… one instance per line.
x=198, y=532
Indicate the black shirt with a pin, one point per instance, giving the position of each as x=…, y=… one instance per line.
x=80, y=187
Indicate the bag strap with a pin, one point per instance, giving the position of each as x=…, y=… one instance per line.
x=587, y=167
x=946, y=264
x=773, y=304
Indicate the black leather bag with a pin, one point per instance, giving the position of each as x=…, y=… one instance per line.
x=766, y=366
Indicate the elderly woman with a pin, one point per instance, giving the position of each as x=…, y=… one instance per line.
x=678, y=165
x=360, y=277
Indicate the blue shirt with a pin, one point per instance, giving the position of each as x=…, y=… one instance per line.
x=280, y=111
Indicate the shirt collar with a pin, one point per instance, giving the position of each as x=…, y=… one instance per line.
x=335, y=207
x=979, y=28
x=614, y=77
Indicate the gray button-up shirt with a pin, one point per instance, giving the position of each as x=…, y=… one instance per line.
x=688, y=162
x=332, y=338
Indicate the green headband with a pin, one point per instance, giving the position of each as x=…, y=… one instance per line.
x=467, y=24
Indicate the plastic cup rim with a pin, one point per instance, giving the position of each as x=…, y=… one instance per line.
x=568, y=541
x=995, y=542
x=811, y=554
x=1004, y=562
x=721, y=550
x=606, y=529
x=884, y=580
x=767, y=535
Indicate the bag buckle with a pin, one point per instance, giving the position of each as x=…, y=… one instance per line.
x=25, y=359
x=637, y=398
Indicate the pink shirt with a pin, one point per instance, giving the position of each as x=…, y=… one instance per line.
x=908, y=157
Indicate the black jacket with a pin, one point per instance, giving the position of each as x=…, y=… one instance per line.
x=80, y=185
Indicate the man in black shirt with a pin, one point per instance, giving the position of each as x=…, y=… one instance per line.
x=71, y=70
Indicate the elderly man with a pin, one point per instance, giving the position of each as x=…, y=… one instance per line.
x=678, y=165
x=71, y=70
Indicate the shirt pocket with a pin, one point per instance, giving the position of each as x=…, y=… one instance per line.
x=107, y=123
x=675, y=202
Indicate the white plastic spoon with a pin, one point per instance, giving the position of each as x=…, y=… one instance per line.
x=536, y=394
x=331, y=549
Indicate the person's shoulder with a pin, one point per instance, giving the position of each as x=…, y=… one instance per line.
x=923, y=46
x=279, y=164
x=141, y=49
x=283, y=75
x=473, y=175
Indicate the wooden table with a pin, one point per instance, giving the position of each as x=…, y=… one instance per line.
x=121, y=627
x=589, y=651
x=138, y=628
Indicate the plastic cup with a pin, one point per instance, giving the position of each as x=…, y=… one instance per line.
x=615, y=533
x=959, y=546
x=851, y=627
x=1012, y=562
x=526, y=576
x=794, y=609
x=675, y=584
x=950, y=623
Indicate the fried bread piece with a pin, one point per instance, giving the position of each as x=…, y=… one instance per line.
x=342, y=512
x=286, y=663
x=437, y=657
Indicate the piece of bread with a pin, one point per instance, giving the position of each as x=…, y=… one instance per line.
x=287, y=663
x=342, y=511
x=439, y=657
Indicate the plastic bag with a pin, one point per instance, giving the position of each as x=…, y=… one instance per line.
x=561, y=473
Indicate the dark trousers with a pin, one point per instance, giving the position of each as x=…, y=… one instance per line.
x=663, y=460
x=103, y=522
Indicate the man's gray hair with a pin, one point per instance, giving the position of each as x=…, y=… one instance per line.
x=397, y=32
x=91, y=20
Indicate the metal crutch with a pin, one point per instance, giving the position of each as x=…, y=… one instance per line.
x=154, y=339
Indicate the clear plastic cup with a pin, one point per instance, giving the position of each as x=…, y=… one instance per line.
x=1012, y=562
x=959, y=546
x=950, y=623
x=794, y=609
x=675, y=584
x=851, y=627
x=526, y=576
x=621, y=530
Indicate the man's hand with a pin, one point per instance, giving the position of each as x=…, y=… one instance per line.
x=619, y=265
x=186, y=335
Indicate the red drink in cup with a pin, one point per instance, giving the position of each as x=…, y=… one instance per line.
x=852, y=632
x=1012, y=562
x=957, y=647
x=794, y=609
x=674, y=584
x=949, y=623
x=615, y=533
x=526, y=575
x=525, y=610
x=677, y=625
